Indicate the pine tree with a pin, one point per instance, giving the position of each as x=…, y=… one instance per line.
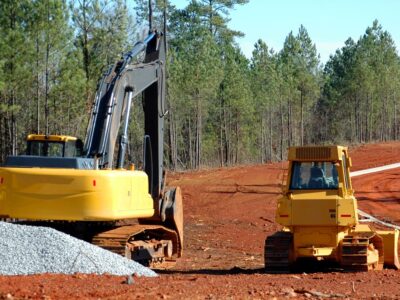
x=301, y=68
x=266, y=90
x=52, y=35
x=15, y=48
x=359, y=81
x=235, y=109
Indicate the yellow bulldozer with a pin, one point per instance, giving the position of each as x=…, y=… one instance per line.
x=318, y=212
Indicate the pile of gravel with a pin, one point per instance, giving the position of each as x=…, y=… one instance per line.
x=31, y=250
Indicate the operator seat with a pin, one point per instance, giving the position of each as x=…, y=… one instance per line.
x=317, y=178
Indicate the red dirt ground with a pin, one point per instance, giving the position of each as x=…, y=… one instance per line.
x=228, y=213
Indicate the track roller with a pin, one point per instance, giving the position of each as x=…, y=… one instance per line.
x=362, y=252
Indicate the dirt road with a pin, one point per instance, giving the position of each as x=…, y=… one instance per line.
x=228, y=214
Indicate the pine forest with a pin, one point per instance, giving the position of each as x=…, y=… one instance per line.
x=224, y=108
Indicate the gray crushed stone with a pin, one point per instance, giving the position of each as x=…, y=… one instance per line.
x=28, y=250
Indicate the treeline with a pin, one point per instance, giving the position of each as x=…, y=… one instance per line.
x=52, y=53
x=228, y=109
x=224, y=108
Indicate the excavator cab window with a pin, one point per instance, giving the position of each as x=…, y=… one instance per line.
x=55, y=149
x=36, y=148
x=45, y=148
x=314, y=176
x=72, y=148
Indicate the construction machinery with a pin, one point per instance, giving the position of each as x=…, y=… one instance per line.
x=82, y=189
x=53, y=145
x=318, y=212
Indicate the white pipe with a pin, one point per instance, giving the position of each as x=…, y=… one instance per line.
x=364, y=214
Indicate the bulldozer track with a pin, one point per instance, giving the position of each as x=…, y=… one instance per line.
x=357, y=250
x=277, y=252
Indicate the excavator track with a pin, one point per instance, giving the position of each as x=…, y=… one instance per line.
x=277, y=252
x=151, y=245
x=360, y=253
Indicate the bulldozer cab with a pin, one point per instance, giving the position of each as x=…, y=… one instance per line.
x=54, y=146
x=314, y=175
x=319, y=168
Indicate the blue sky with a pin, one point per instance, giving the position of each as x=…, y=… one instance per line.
x=328, y=22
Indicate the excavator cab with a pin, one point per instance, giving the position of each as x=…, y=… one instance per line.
x=54, y=145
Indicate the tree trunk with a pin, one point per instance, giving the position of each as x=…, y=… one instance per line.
x=227, y=136
x=198, y=134
x=13, y=132
x=301, y=119
x=237, y=136
x=11, y=101
x=2, y=139
x=270, y=135
x=210, y=7
x=263, y=146
x=282, y=130
x=172, y=141
x=46, y=94
x=289, y=122
x=37, y=87
x=366, y=116
x=190, y=138
x=85, y=50
x=395, y=117
x=221, y=143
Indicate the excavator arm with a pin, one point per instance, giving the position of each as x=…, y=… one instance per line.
x=122, y=83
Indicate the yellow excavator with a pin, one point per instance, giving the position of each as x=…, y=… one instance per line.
x=318, y=212
x=82, y=189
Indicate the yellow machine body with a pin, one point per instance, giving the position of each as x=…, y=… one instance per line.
x=318, y=212
x=73, y=194
x=52, y=138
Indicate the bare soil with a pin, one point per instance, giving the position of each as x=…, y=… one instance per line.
x=228, y=213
